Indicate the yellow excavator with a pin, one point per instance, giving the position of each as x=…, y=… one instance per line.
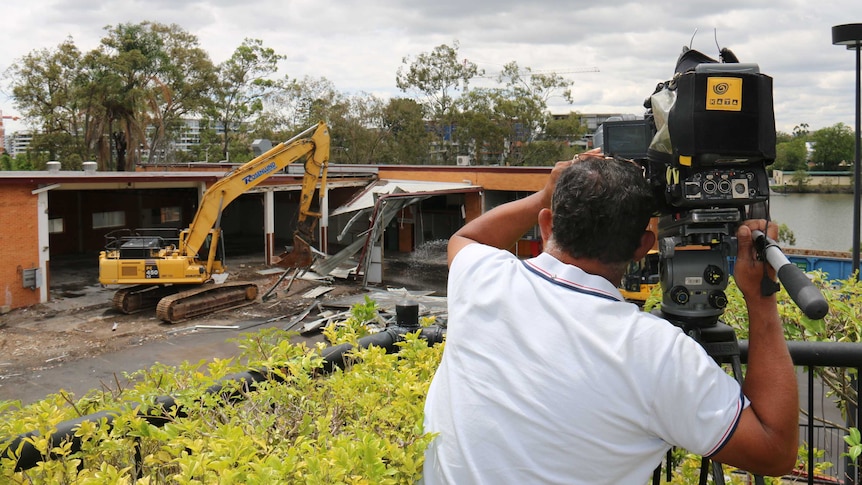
x=641, y=277
x=185, y=277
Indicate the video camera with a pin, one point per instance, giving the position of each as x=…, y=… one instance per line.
x=706, y=137
x=704, y=143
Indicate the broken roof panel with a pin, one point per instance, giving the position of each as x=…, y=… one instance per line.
x=366, y=198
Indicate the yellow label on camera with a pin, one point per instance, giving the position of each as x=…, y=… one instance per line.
x=724, y=94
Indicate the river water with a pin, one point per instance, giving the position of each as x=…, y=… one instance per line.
x=818, y=221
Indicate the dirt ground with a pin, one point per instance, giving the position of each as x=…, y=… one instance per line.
x=79, y=322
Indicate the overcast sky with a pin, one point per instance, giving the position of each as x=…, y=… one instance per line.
x=614, y=52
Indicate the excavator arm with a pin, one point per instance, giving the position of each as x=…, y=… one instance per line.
x=300, y=256
x=223, y=192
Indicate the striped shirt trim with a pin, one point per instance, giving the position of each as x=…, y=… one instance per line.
x=587, y=290
x=740, y=405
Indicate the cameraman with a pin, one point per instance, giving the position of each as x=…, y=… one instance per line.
x=549, y=376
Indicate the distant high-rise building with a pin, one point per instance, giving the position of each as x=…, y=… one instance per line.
x=18, y=142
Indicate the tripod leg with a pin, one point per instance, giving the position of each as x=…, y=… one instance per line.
x=670, y=465
x=717, y=473
x=704, y=471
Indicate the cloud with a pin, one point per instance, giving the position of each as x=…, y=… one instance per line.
x=359, y=45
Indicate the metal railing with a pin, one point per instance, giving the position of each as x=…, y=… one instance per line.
x=814, y=431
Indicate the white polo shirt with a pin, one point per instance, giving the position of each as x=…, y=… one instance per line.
x=549, y=376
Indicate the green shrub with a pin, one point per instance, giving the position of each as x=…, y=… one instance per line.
x=362, y=425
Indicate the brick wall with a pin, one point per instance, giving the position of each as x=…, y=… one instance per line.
x=19, y=243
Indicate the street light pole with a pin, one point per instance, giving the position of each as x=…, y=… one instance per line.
x=850, y=35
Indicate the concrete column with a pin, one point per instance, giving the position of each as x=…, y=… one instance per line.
x=44, y=245
x=324, y=220
x=269, y=225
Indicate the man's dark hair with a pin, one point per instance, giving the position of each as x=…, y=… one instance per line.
x=601, y=208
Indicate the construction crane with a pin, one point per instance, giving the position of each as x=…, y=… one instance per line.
x=3, y=130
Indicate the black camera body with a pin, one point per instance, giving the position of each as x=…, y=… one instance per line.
x=710, y=147
x=704, y=144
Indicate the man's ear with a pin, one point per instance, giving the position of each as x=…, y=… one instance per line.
x=546, y=224
x=646, y=244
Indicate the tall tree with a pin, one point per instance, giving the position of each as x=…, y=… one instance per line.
x=565, y=129
x=183, y=87
x=437, y=75
x=533, y=90
x=45, y=87
x=483, y=128
x=791, y=155
x=101, y=104
x=408, y=141
x=832, y=146
x=356, y=134
x=243, y=81
x=126, y=69
x=295, y=104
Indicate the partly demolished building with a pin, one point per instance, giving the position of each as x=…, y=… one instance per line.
x=50, y=215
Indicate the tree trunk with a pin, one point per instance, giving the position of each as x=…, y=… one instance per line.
x=120, y=146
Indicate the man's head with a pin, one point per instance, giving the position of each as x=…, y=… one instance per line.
x=601, y=208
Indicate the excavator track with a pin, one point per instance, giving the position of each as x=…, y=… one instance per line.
x=205, y=299
x=134, y=299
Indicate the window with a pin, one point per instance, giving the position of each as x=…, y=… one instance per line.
x=109, y=219
x=55, y=226
x=170, y=214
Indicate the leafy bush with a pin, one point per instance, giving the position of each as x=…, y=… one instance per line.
x=362, y=425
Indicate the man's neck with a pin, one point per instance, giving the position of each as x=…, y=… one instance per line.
x=612, y=273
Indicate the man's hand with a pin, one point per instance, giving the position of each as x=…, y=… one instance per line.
x=748, y=270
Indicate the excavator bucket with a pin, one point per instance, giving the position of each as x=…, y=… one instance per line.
x=299, y=257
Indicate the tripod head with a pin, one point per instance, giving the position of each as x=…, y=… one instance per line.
x=695, y=247
x=695, y=252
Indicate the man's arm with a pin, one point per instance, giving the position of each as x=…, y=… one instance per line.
x=766, y=440
x=502, y=226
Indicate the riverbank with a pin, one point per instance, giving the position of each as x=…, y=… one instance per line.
x=811, y=189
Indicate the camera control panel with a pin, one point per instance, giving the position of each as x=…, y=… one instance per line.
x=718, y=187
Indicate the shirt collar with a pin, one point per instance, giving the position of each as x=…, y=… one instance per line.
x=572, y=277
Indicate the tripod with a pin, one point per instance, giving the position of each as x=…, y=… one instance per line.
x=720, y=343
x=693, y=284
